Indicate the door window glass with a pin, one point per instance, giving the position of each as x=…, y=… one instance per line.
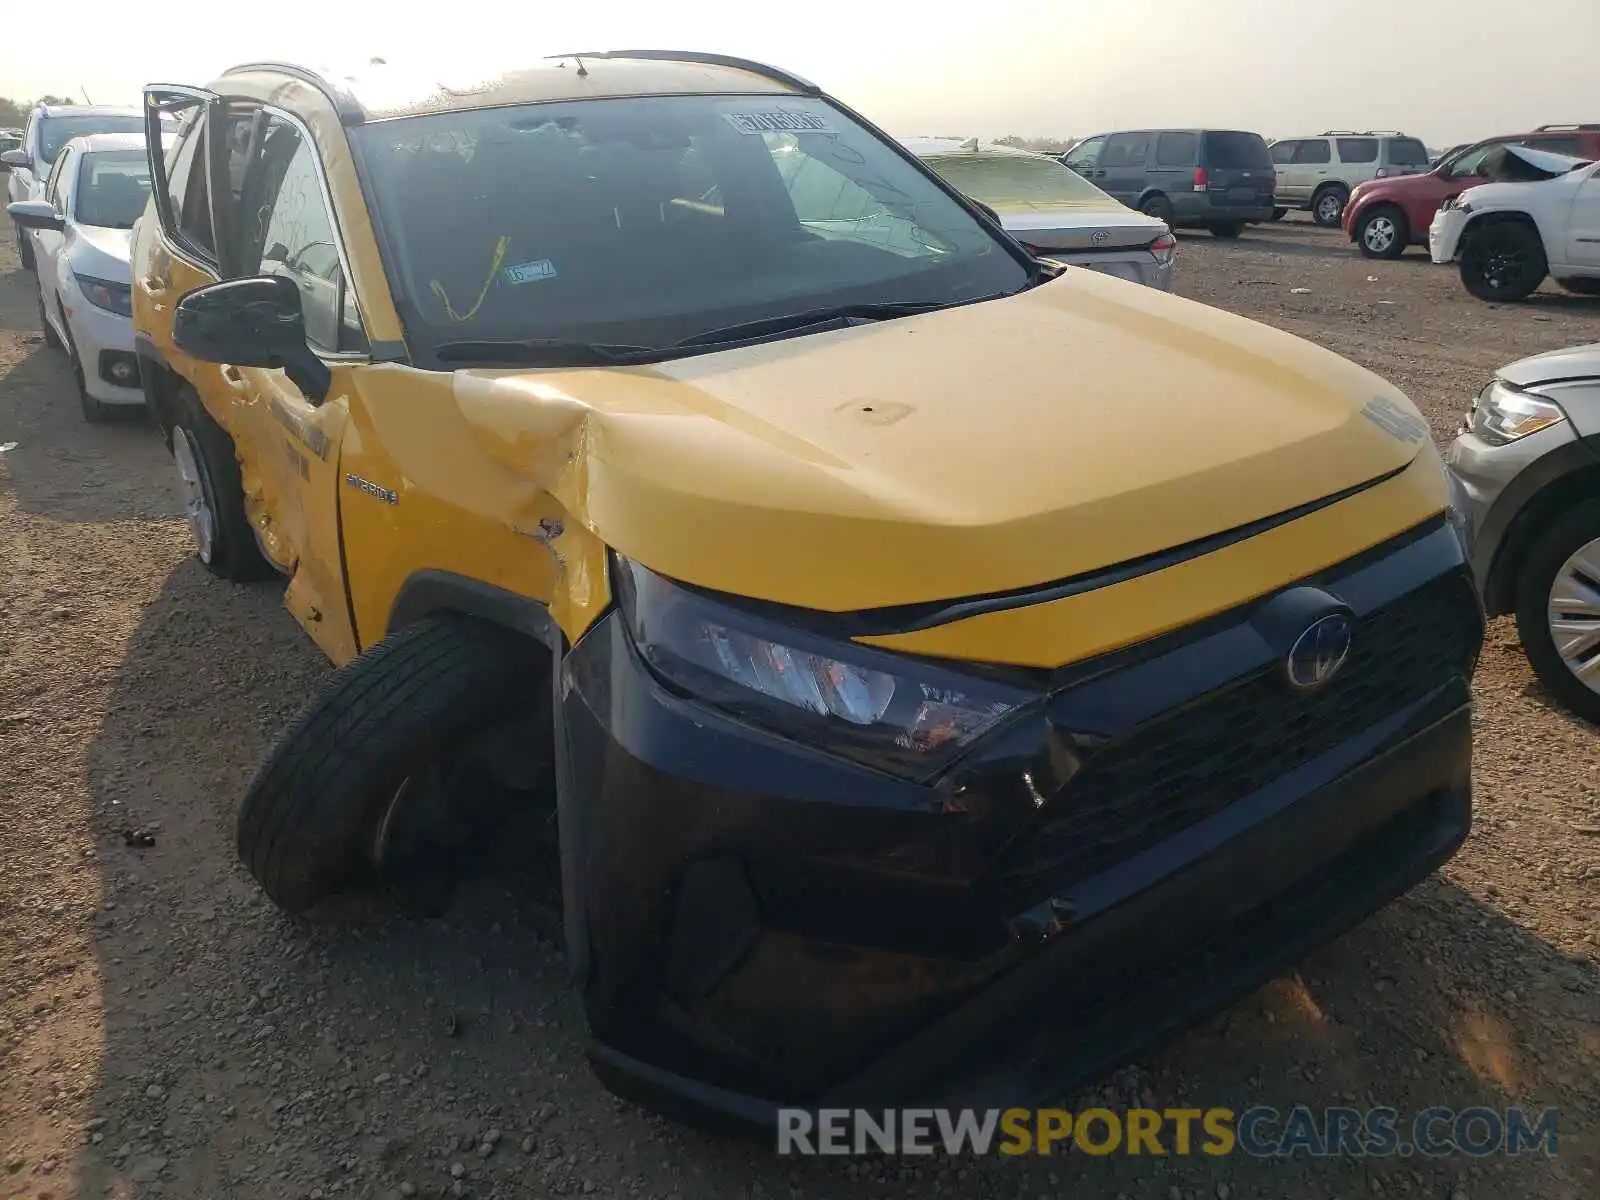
x=1126, y=150
x=181, y=193
x=55, y=185
x=1312, y=150
x=1358, y=150
x=1085, y=154
x=284, y=228
x=1176, y=149
x=1556, y=145
x=1468, y=163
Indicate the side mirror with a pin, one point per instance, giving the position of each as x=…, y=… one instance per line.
x=35, y=214
x=252, y=323
x=277, y=253
x=16, y=158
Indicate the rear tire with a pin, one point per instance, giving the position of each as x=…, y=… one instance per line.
x=213, y=493
x=1546, y=563
x=1503, y=262
x=1159, y=207
x=1383, y=232
x=1327, y=206
x=316, y=815
x=1227, y=229
x=24, y=248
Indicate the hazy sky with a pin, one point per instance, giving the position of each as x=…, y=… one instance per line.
x=1444, y=70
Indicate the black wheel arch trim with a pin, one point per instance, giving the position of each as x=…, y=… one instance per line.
x=431, y=591
x=1514, y=520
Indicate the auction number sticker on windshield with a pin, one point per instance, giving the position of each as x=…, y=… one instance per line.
x=778, y=120
x=530, y=272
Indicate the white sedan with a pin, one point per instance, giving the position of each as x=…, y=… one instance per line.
x=1053, y=211
x=96, y=190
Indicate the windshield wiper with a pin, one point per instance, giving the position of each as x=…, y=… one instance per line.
x=818, y=316
x=549, y=352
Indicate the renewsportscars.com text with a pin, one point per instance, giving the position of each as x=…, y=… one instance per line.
x=1260, y=1131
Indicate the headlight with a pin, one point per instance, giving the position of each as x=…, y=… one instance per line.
x=880, y=709
x=1502, y=414
x=102, y=293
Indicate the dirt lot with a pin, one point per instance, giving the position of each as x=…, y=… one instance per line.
x=164, y=1032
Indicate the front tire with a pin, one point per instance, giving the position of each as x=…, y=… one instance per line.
x=1327, y=206
x=213, y=494
x=24, y=249
x=1558, y=610
x=1503, y=262
x=93, y=411
x=1383, y=232
x=316, y=816
x=1279, y=214
x=51, y=337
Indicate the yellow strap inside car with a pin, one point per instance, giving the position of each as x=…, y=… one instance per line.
x=500, y=248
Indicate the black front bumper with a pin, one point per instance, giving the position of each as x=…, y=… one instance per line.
x=762, y=925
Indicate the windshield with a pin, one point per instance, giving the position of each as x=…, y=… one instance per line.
x=113, y=186
x=1228, y=150
x=56, y=132
x=645, y=221
x=1015, y=182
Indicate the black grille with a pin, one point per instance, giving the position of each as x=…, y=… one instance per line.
x=1193, y=762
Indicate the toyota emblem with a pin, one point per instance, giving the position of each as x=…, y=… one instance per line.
x=1319, y=652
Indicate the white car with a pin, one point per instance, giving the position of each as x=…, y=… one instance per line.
x=1053, y=211
x=50, y=127
x=1508, y=236
x=96, y=190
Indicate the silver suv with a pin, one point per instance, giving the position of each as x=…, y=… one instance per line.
x=1525, y=468
x=1320, y=172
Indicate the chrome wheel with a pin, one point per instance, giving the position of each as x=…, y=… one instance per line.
x=1379, y=234
x=196, y=503
x=1574, y=614
x=1329, y=207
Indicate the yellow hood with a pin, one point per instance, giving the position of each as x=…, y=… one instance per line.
x=971, y=450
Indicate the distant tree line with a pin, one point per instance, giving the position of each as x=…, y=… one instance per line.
x=14, y=113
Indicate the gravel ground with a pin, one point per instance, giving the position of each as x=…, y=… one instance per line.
x=165, y=1032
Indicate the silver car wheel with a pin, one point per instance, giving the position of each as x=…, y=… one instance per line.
x=192, y=487
x=1329, y=208
x=1379, y=234
x=1574, y=614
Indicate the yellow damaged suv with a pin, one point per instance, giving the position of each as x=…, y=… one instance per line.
x=939, y=672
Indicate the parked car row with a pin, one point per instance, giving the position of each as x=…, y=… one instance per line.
x=915, y=646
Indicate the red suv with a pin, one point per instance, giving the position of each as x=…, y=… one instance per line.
x=1384, y=216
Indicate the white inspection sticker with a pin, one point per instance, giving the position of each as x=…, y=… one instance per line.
x=531, y=272
x=778, y=120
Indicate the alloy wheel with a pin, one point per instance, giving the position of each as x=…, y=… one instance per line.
x=1574, y=614
x=1379, y=234
x=1329, y=208
x=196, y=503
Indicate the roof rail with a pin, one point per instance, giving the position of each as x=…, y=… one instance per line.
x=350, y=112
x=775, y=74
x=1362, y=133
x=1582, y=128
